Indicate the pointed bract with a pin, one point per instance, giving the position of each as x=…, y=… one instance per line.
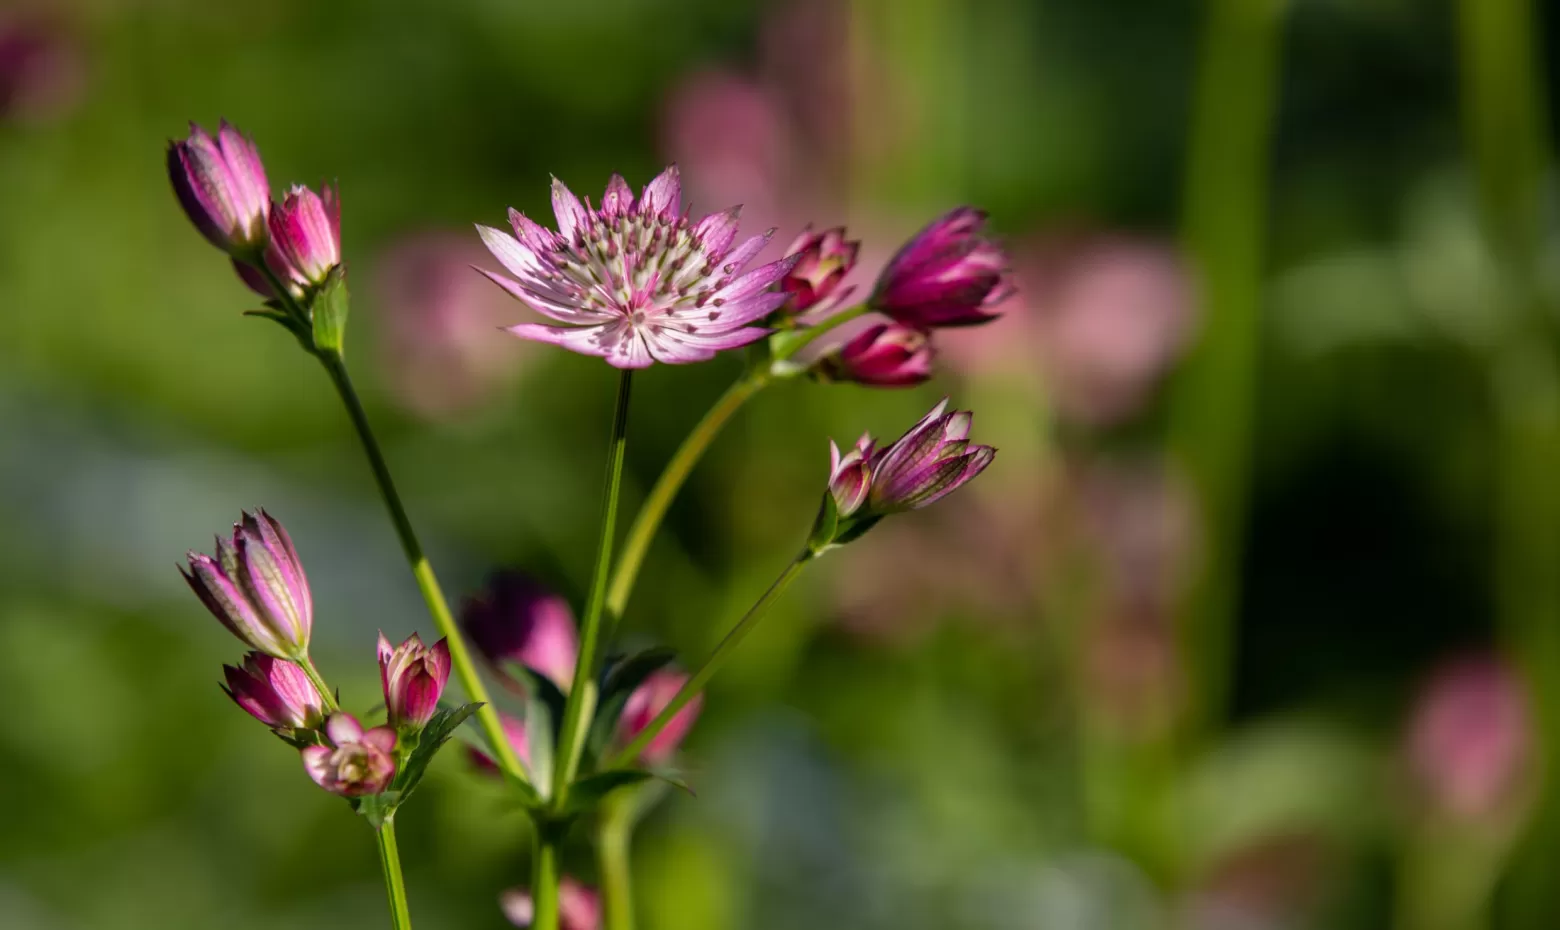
x=305, y=237
x=823, y=261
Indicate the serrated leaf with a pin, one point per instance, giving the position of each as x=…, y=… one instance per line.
x=440, y=728
x=617, y=686
x=540, y=740
x=587, y=793
x=330, y=312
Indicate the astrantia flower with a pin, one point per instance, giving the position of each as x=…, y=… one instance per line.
x=634, y=282
x=275, y=692
x=823, y=259
x=222, y=186
x=256, y=587
x=948, y=274
x=646, y=703
x=357, y=762
x=926, y=464
x=516, y=619
x=885, y=355
x=413, y=677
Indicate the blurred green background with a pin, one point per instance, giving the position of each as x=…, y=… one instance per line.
x=1255, y=622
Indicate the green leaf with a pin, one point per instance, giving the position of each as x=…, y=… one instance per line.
x=618, y=684
x=587, y=793
x=539, y=740
x=674, y=778
x=438, y=732
x=330, y=312
x=825, y=525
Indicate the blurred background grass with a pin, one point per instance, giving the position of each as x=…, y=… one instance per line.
x=1253, y=624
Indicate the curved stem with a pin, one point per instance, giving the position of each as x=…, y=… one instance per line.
x=395, y=885
x=427, y=582
x=637, y=543
x=613, y=840
x=699, y=679
x=582, y=695
x=329, y=698
x=544, y=880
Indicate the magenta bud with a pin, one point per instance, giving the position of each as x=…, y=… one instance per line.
x=850, y=475
x=357, y=761
x=413, y=677
x=222, y=186
x=255, y=585
x=579, y=907
x=1471, y=738
x=275, y=692
x=646, y=703
x=823, y=259
x=305, y=236
x=948, y=274
x=516, y=619
x=886, y=355
x=927, y=463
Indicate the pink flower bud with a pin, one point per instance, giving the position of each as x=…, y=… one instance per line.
x=255, y=585
x=222, y=186
x=850, y=475
x=822, y=262
x=413, y=677
x=948, y=274
x=646, y=703
x=275, y=692
x=579, y=907
x=885, y=355
x=357, y=762
x=1470, y=742
x=305, y=236
x=515, y=732
x=927, y=463
x=516, y=619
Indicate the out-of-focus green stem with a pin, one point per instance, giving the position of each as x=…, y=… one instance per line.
x=614, y=837
x=422, y=571
x=1504, y=117
x=582, y=696
x=395, y=885
x=544, y=879
x=1224, y=228
x=648, y=521
x=696, y=682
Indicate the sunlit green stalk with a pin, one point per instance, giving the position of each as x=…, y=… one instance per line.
x=395, y=885
x=647, y=522
x=422, y=571
x=544, y=879
x=582, y=695
x=696, y=682
x=614, y=837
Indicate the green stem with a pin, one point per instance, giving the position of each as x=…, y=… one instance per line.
x=699, y=679
x=647, y=522
x=544, y=880
x=582, y=695
x=614, y=838
x=395, y=885
x=307, y=664
x=637, y=543
x=422, y=571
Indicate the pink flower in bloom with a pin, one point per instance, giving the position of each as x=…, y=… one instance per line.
x=883, y=355
x=357, y=762
x=926, y=464
x=579, y=907
x=275, y=692
x=222, y=186
x=823, y=259
x=1470, y=742
x=646, y=703
x=515, y=732
x=948, y=274
x=518, y=620
x=850, y=475
x=634, y=282
x=413, y=677
x=256, y=587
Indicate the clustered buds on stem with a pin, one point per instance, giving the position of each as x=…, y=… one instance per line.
x=275, y=692
x=413, y=677
x=931, y=461
x=357, y=762
x=255, y=585
x=823, y=259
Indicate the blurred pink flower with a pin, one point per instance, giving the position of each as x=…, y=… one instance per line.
x=646, y=703
x=515, y=732
x=515, y=618
x=41, y=70
x=579, y=907
x=1470, y=738
x=438, y=345
x=1105, y=317
x=732, y=143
